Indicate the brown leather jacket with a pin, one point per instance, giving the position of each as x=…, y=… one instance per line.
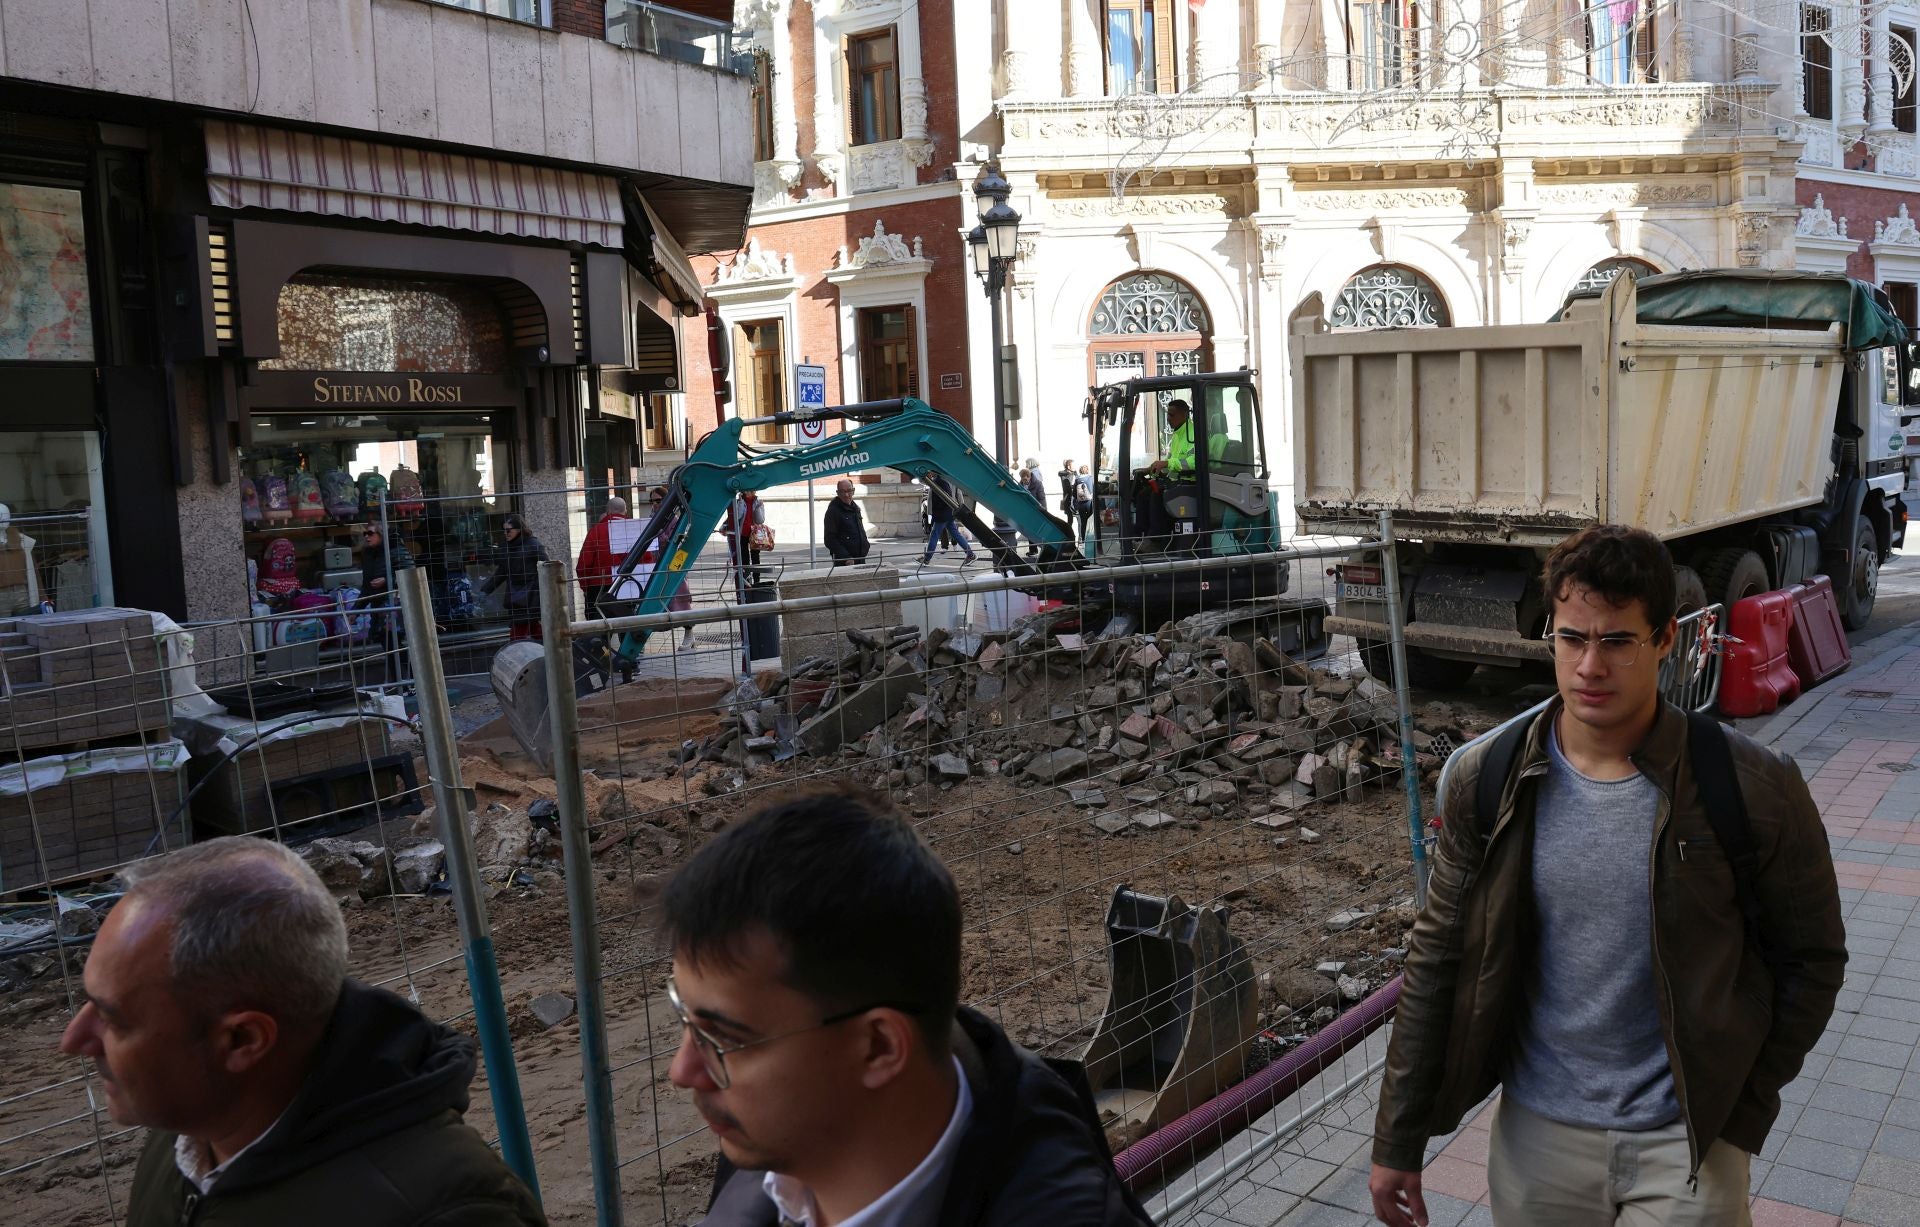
x=1736, y=1032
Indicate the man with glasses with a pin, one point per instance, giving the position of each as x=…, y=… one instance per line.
x=816, y=976
x=1584, y=944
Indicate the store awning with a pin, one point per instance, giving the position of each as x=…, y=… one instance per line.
x=274, y=168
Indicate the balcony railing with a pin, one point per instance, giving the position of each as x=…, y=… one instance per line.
x=668, y=32
x=533, y=12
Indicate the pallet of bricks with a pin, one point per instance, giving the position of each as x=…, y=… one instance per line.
x=334, y=767
x=88, y=770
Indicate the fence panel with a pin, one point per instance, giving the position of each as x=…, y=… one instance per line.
x=127, y=735
x=1226, y=786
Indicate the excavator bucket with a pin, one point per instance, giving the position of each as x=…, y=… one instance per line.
x=1180, y=1015
x=519, y=675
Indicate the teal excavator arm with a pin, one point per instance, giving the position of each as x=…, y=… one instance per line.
x=907, y=434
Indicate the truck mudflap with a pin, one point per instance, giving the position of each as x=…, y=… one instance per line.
x=1464, y=642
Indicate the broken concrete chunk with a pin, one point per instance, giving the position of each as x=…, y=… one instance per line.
x=1309, y=763
x=1111, y=823
x=950, y=767
x=1153, y=820
x=1057, y=765
x=1213, y=792
x=551, y=1009
x=1352, y=988
x=1309, y=836
x=1087, y=798
x=1289, y=796
x=1147, y=657
x=1330, y=969
x=1341, y=921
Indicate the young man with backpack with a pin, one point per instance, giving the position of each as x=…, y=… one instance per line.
x=1632, y=928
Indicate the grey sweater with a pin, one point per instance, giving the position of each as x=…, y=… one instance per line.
x=1588, y=1050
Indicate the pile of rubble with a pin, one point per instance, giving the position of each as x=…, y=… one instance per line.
x=358, y=869
x=1152, y=729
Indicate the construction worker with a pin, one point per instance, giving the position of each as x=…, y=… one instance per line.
x=1179, y=458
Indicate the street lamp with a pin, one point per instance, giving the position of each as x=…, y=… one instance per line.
x=993, y=245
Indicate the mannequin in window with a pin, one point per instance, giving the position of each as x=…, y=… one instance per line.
x=19, y=586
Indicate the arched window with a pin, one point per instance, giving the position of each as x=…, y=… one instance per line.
x=1148, y=303
x=1390, y=296
x=1601, y=275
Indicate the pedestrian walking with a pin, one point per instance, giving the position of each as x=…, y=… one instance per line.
x=844, y=528
x=517, y=568
x=1632, y=928
x=219, y=1015
x=943, y=506
x=1083, y=502
x=1067, y=473
x=748, y=536
x=682, y=598
x=594, y=568
x=1036, y=486
x=816, y=977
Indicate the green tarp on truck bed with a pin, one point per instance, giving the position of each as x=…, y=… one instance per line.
x=1756, y=297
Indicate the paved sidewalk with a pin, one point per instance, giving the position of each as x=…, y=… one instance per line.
x=1846, y=1149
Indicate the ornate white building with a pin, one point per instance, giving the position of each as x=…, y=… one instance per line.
x=1189, y=175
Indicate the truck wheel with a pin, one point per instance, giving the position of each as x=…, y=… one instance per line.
x=1733, y=574
x=1862, y=581
x=1424, y=672
x=1689, y=594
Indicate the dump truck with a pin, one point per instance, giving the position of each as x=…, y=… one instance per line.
x=1749, y=418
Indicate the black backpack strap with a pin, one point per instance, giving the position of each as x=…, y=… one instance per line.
x=1494, y=770
x=1726, y=808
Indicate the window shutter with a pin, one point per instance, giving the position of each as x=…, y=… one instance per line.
x=913, y=352
x=1167, y=79
x=847, y=57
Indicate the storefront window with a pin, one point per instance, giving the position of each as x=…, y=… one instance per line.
x=433, y=482
x=55, y=541
x=46, y=311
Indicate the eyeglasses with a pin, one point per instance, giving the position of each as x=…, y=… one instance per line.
x=1619, y=651
x=714, y=1052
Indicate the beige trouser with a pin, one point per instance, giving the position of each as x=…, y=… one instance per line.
x=1541, y=1173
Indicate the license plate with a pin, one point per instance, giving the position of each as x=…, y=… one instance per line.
x=1363, y=592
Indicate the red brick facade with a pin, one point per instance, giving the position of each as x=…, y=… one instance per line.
x=1861, y=207
x=588, y=17
x=815, y=242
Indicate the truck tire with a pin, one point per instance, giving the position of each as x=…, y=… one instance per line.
x=1689, y=594
x=1861, y=584
x=1424, y=672
x=1734, y=574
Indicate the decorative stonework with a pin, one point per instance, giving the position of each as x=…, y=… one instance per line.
x=1169, y=206
x=754, y=264
x=1750, y=231
x=1817, y=221
x=1897, y=231
x=877, y=168
x=1746, y=56
x=1612, y=195
x=882, y=248
x=1515, y=230
x=1273, y=253
x=1385, y=200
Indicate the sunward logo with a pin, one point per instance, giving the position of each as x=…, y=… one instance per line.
x=833, y=464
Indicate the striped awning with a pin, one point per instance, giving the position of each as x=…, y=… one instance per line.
x=273, y=168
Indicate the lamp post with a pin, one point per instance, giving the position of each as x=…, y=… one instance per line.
x=993, y=244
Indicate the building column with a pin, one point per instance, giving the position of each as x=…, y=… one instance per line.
x=1851, y=65
x=913, y=88
x=1086, y=51
x=828, y=122
x=1216, y=49
x=1033, y=55
x=1879, y=59
x=1270, y=45
x=786, y=122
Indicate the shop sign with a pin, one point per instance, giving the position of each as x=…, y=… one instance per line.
x=410, y=390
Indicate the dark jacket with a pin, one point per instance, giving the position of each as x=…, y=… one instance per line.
x=373, y=1139
x=942, y=501
x=1032, y=1151
x=517, y=565
x=373, y=564
x=846, y=531
x=1736, y=1031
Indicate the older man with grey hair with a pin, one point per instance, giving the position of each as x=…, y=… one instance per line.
x=219, y=1014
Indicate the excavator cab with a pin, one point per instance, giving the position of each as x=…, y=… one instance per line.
x=1184, y=474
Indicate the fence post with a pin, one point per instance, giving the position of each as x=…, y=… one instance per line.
x=476, y=934
x=1397, y=652
x=563, y=717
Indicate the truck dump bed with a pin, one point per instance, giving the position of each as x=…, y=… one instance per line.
x=1525, y=433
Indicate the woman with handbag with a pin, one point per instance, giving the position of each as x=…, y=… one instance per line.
x=748, y=536
x=517, y=567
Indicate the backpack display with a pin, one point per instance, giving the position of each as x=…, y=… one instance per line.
x=249, y=503
x=303, y=491
x=279, y=569
x=341, y=496
x=405, y=495
x=316, y=624
x=321, y=458
x=274, y=507
x=373, y=494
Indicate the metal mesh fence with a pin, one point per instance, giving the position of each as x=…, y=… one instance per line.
x=1174, y=810
x=125, y=735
